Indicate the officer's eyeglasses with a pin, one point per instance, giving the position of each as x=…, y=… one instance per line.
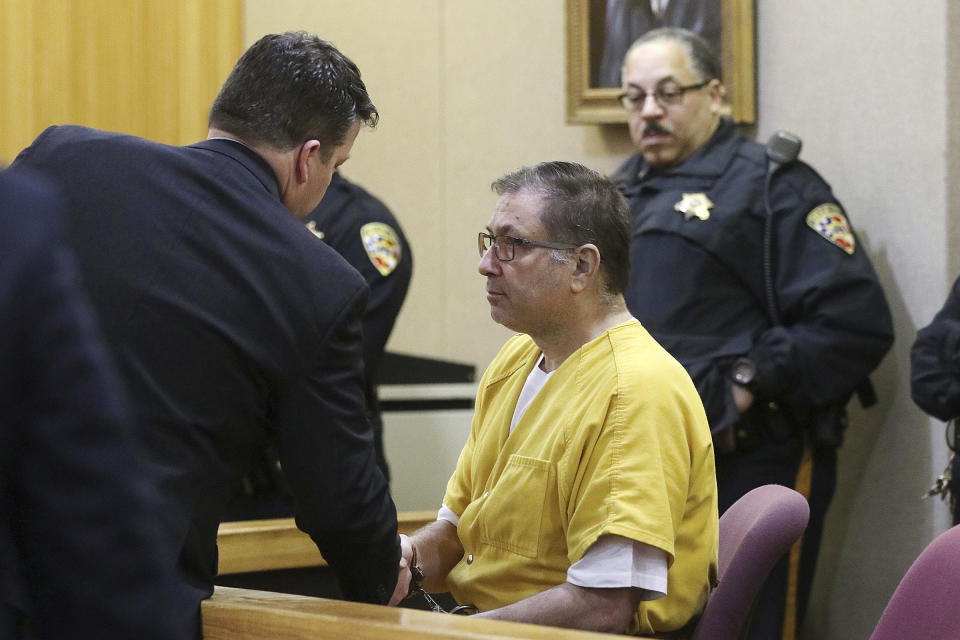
x=666, y=95
x=504, y=247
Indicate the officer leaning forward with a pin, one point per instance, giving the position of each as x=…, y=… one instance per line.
x=775, y=350
x=363, y=230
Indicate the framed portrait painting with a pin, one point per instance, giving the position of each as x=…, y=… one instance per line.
x=599, y=32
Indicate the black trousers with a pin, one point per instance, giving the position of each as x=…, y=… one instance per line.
x=792, y=462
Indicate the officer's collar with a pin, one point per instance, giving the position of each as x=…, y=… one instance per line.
x=253, y=161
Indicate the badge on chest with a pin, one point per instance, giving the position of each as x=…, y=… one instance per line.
x=694, y=205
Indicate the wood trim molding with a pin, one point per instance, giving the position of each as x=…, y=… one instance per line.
x=242, y=614
x=265, y=545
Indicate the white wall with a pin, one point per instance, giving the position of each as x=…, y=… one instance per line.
x=470, y=90
x=867, y=94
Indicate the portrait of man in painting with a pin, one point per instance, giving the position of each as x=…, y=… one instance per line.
x=615, y=24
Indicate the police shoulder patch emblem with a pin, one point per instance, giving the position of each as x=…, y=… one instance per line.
x=828, y=220
x=382, y=246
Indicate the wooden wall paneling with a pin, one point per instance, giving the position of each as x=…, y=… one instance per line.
x=146, y=67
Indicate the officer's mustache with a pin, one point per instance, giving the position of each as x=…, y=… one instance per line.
x=654, y=128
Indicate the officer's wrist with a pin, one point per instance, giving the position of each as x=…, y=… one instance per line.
x=743, y=373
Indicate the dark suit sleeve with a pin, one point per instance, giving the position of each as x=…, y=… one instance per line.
x=935, y=361
x=85, y=528
x=326, y=449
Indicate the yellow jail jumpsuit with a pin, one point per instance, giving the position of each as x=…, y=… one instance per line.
x=616, y=442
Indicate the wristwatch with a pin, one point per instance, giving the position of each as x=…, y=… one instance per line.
x=744, y=372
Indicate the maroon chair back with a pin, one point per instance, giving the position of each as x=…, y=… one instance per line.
x=926, y=603
x=755, y=532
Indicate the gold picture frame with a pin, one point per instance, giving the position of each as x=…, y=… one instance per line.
x=588, y=104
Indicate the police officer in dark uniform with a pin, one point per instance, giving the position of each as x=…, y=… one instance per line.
x=935, y=384
x=362, y=229
x=81, y=555
x=776, y=340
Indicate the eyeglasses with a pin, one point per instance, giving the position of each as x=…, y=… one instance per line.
x=504, y=247
x=665, y=95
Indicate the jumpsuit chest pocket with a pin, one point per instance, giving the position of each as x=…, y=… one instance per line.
x=512, y=514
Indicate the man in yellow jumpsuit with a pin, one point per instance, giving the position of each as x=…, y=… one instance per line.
x=585, y=496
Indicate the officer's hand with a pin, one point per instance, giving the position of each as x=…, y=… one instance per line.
x=403, y=576
x=723, y=441
x=742, y=397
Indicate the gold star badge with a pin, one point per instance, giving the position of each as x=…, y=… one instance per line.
x=312, y=225
x=694, y=205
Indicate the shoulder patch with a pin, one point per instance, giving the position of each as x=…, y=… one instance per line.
x=828, y=220
x=382, y=245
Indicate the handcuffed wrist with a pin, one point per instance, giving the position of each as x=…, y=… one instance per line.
x=416, y=570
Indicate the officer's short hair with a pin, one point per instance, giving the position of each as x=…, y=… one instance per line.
x=705, y=61
x=289, y=88
x=580, y=206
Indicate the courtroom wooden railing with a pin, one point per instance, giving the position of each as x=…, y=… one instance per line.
x=265, y=545
x=242, y=614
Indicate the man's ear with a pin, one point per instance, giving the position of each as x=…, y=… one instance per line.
x=308, y=151
x=718, y=97
x=586, y=267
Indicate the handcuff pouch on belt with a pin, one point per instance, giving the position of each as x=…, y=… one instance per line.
x=771, y=421
x=764, y=422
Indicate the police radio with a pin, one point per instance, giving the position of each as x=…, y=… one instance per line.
x=782, y=149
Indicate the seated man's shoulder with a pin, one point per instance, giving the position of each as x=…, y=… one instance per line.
x=647, y=375
x=638, y=355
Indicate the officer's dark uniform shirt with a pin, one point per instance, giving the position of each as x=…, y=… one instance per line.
x=697, y=282
x=935, y=361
